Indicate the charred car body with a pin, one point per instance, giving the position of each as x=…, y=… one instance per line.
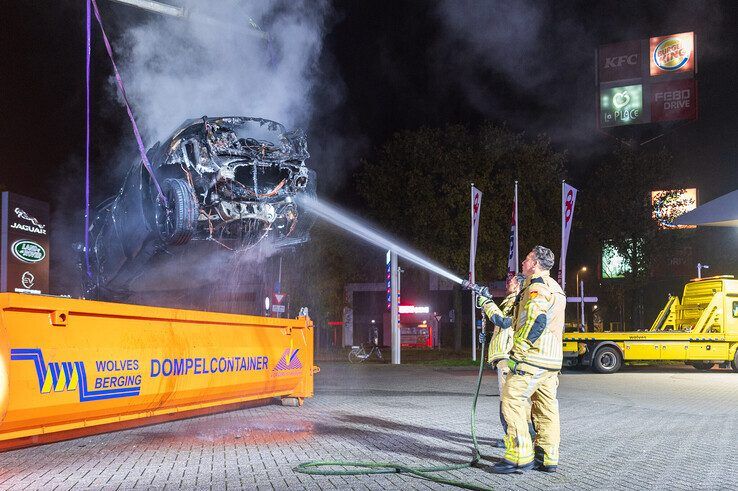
x=229, y=183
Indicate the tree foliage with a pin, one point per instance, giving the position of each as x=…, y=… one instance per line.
x=618, y=208
x=618, y=211
x=418, y=188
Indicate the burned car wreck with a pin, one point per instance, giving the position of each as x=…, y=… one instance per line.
x=229, y=183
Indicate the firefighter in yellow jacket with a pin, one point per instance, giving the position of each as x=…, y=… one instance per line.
x=501, y=341
x=535, y=361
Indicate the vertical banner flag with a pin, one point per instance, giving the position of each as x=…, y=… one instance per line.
x=568, y=199
x=476, y=203
x=512, y=257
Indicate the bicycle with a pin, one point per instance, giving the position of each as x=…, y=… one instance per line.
x=358, y=354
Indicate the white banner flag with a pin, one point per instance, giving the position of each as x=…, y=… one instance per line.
x=476, y=203
x=568, y=199
x=512, y=257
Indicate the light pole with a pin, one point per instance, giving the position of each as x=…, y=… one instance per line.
x=583, y=269
x=700, y=267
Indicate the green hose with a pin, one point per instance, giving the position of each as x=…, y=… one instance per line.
x=367, y=467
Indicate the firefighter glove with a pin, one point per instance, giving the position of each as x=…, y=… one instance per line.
x=482, y=301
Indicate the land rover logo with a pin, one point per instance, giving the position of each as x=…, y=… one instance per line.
x=28, y=251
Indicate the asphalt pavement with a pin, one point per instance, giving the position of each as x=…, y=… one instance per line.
x=642, y=428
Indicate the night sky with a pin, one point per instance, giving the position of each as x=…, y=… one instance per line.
x=392, y=65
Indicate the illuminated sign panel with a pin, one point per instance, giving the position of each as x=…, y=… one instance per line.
x=614, y=265
x=621, y=105
x=412, y=309
x=620, y=61
x=667, y=205
x=675, y=100
x=672, y=54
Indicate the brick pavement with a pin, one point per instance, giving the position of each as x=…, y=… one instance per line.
x=667, y=428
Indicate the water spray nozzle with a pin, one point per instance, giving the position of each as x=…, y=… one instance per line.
x=480, y=290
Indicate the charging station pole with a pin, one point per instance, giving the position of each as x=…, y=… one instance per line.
x=394, y=310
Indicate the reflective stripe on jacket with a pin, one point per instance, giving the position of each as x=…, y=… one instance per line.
x=502, y=339
x=539, y=324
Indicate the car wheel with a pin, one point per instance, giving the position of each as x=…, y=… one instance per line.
x=703, y=365
x=607, y=360
x=734, y=363
x=177, y=219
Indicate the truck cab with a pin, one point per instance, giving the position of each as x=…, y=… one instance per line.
x=701, y=329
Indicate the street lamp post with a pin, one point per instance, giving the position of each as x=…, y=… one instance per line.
x=583, y=269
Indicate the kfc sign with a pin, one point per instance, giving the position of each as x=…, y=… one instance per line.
x=672, y=54
x=620, y=61
x=673, y=101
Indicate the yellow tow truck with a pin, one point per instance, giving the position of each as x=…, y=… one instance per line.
x=701, y=330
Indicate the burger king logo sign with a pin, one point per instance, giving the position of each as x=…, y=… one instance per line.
x=671, y=54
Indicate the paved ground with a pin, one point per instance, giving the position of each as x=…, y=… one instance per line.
x=668, y=428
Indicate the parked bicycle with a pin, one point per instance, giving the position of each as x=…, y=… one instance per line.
x=359, y=354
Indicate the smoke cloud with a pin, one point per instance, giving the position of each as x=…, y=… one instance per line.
x=246, y=58
x=227, y=58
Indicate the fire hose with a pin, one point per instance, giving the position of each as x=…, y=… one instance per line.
x=354, y=468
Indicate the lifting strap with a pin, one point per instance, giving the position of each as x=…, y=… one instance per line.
x=137, y=134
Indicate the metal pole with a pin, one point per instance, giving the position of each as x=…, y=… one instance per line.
x=473, y=280
x=577, y=294
x=517, y=225
x=158, y=7
x=182, y=13
x=394, y=311
x=699, y=271
x=581, y=300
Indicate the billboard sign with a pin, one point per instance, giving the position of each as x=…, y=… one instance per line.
x=621, y=105
x=672, y=54
x=674, y=100
x=667, y=205
x=620, y=61
x=614, y=264
x=24, y=261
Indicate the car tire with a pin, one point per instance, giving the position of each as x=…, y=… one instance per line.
x=703, y=366
x=734, y=363
x=177, y=220
x=607, y=359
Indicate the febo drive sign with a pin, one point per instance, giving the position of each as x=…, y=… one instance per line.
x=675, y=100
x=672, y=54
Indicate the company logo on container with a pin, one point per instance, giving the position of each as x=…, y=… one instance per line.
x=672, y=53
x=67, y=376
x=288, y=361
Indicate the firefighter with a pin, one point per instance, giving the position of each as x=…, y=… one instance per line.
x=535, y=361
x=502, y=338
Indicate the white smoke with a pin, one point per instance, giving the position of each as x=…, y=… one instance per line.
x=217, y=63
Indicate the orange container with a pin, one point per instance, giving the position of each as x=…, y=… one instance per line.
x=72, y=367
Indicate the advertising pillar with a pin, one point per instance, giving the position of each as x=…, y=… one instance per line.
x=24, y=245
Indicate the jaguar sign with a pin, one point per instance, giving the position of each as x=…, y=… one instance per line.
x=24, y=245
